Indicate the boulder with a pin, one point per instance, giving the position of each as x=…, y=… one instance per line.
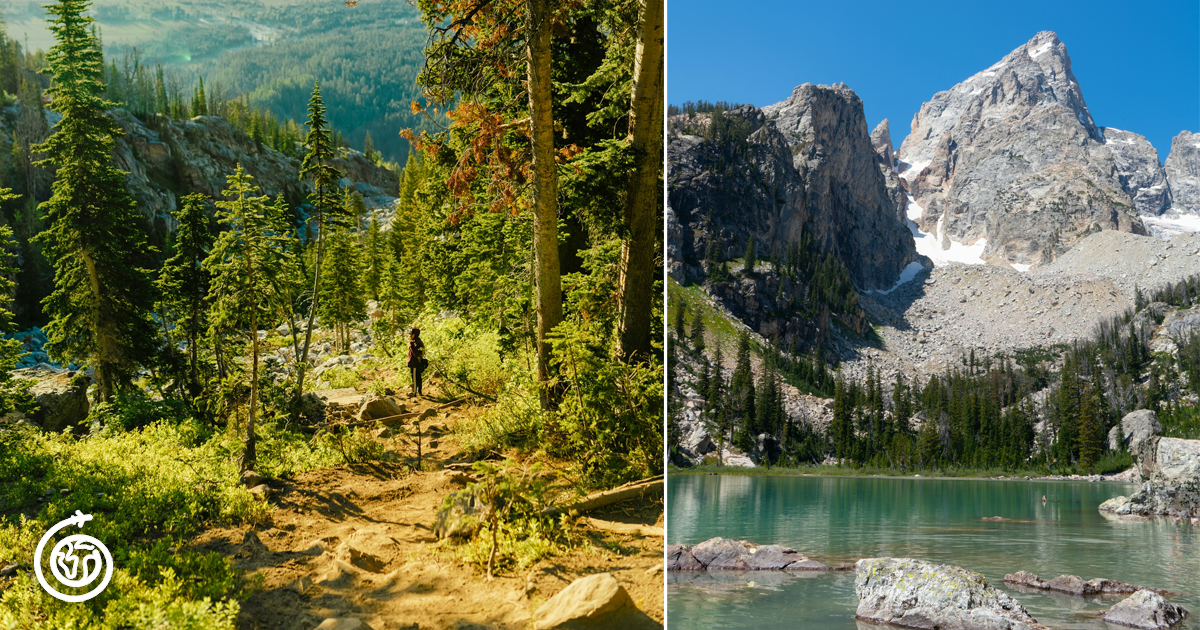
x=62, y=401
x=251, y=479
x=1145, y=609
x=726, y=554
x=343, y=623
x=1172, y=469
x=262, y=492
x=376, y=407
x=595, y=601
x=1136, y=427
x=918, y=594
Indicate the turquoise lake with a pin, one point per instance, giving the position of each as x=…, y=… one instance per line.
x=838, y=520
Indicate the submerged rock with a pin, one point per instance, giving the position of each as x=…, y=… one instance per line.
x=1145, y=609
x=1075, y=585
x=918, y=594
x=726, y=554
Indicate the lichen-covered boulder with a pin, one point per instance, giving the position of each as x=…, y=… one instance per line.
x=1147, y=610
x=917, y=594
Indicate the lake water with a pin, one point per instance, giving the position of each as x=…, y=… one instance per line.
x=840, y=519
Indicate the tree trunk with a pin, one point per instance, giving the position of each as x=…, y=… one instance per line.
x=545, y=189
x=103, y=356
x=302, y=359
x=250, y=456
x=637, y=270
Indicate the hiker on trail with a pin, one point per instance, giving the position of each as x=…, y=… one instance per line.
x=416, y=358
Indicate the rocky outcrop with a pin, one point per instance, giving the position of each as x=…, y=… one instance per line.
x=725, y=554
x=802, y=167
x=1147, y=610
x=917, y=594
x=176, y=158
x=1183, y=173
x=1136, y=427
x=1171, y=467
x=1012, y=155
x=881, y=139
x=1074, y=585
x=1141, y=175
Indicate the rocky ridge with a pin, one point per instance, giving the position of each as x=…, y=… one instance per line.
x=1183, y=173
x=1012, y=155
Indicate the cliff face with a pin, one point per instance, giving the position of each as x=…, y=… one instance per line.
x=805, y=167
x=1012, y=155
x=198, y=155
x=1141, y=174
x=1183, y=173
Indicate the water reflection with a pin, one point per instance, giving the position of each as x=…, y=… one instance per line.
x=838, y=520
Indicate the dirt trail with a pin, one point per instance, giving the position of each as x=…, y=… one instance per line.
x=356, y=541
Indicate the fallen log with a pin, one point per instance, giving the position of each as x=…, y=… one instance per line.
x=633, y=529
x=453, y=403
x=608, y=497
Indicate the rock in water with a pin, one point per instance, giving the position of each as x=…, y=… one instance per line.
x=595, y=601
x=1136, y=427
x=1075, y=585
x=1147, y=610
x=726, y=554
x=1012, y=155
x=1183, y=172
x=918, y=594
x=62, y=401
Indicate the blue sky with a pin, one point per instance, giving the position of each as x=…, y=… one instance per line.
x=1138, y=63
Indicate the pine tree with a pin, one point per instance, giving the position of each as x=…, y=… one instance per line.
x=369, y=149
x=10, y=349
x=741, y=384
x=680, y=317
x=200, y=101
x=184, y=282
x=750, y=261
x=325, y=201
x=342, y=301
x=100, y=307
x=375, y=258
x=698, y=332
x=242, y=262
x=162, y=104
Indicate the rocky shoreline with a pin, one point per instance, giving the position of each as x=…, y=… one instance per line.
x=913, y=593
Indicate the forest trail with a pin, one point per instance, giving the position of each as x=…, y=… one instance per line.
x=356, y=540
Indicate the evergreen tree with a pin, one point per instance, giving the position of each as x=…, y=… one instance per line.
x=326, y=214
x=10, y=349
x=376, y=258
x=369, y=149
x=242, y=262
x=342, y=301
x=750, y=261
x=698, y=332
x=199, y=100
x=184, y=282
x=741, y=385
x=100, y=307
x=680, y=317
